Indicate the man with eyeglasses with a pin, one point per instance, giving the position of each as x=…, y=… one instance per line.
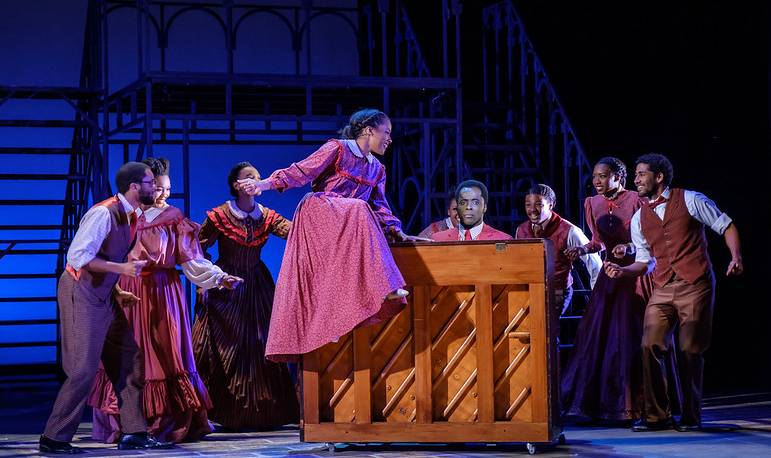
x=93, y=328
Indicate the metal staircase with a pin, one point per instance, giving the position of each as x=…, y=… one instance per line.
x=45, y=193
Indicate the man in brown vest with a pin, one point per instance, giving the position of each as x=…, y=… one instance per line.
x=93, y=327
x=668, y=234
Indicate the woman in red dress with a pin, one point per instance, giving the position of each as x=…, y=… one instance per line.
x=175, y=399
x=603, y=378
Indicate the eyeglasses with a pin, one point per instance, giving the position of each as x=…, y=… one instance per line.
x=152, y=182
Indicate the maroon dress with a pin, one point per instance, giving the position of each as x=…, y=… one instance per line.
x=248, y=392
x=603, y=377
x=174, y=398
x=337, y=267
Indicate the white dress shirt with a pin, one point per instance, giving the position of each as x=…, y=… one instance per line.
x=592, y=261
x=200, y=271
x=475, y=231
x=699, y=206
x=93, y=229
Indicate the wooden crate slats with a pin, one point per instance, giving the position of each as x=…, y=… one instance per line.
x=467, y=358
x=421, y=304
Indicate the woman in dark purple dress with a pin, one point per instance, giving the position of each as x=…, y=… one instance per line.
x=603, y=378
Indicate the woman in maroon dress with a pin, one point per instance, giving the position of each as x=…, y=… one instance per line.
x=175, y=399
x=338, y=271
x=229, y=335
x=603, y=378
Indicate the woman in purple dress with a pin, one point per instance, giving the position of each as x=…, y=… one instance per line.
x=603, y=378
x=338, y=271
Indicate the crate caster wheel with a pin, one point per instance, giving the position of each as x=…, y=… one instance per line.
x=330, y=447
x=561, y=440
x=530, y=448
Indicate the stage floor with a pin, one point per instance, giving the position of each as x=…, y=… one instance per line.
x=738, y=426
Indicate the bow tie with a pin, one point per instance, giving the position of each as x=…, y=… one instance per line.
x=659, y=200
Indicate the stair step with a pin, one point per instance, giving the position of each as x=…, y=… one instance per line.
x=41, y=123
x=27, y=276
x=26, y=323
x=34, y=251
x=33, y=227
x=36, y=150
x=27, y=344
x=33, y=241
x=41, y=176
x=39, y=202
x=29, y=299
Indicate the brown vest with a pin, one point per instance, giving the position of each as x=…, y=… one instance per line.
x=678, y=242
x=556, y=230
x=115, y=248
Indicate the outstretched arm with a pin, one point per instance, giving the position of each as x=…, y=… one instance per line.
x=296, y=175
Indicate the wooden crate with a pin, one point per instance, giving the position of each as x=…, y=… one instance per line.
x=472, y=358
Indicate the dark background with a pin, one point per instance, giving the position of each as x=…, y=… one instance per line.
x=689, y=80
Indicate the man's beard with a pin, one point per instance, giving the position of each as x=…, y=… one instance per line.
x=146, y=199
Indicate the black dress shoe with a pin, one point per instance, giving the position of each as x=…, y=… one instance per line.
x=645, y=426
x=141, y=441
x=60, y=447
x=687, y=427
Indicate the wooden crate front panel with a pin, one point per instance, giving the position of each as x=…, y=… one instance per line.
x=464, y=353
x=453, y=354
x=512, y=358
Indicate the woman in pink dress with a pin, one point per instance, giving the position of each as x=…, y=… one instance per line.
x=603, y=378
x=338, y=271
x=175, y=399
x=248, y=392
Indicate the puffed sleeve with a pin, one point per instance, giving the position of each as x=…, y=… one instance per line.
x=207, y=236
x=595, y=244
x=188, y=244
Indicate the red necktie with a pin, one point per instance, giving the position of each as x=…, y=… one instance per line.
x=537, y=230
x=659, y=200
x=467, y=235
x=133, y=225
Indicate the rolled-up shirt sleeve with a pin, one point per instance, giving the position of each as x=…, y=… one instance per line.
x=642, y=249
x=203, y=273
x=706, y=212
x=93, y=229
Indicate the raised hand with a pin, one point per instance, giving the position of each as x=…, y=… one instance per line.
x=253, y=187
x=231, y=282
